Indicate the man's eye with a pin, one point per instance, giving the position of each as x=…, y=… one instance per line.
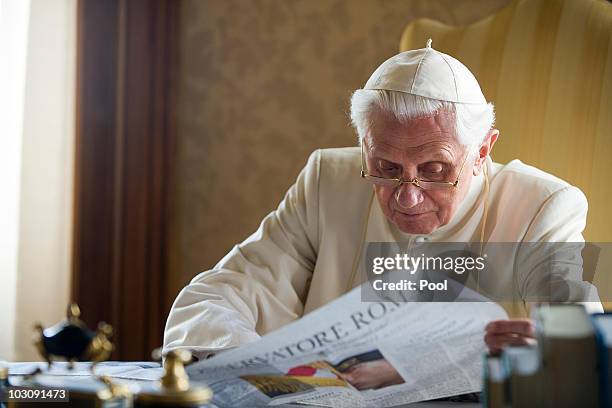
x=434, y=168
x=387, y=167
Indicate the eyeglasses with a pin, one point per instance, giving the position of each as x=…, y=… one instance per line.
x=397, y=182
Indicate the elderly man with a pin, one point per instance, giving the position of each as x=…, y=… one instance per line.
x=422, y=173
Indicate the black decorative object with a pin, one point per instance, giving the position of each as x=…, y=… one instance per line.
x=72, y=340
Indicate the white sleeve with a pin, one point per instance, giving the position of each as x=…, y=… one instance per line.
x=260, y=285
x=551, y=253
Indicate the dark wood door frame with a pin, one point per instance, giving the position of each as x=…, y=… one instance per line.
x=127, y=57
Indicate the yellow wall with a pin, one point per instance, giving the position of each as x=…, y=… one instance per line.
x=547, y=66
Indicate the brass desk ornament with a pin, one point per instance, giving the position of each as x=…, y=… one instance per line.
x=174, y=389
x=71, y=340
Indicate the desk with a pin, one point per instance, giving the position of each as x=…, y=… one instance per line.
x=144, y=371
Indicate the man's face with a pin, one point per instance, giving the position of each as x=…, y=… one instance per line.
x=424, y=148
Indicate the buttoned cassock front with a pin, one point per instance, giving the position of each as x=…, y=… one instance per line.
x=306, y=252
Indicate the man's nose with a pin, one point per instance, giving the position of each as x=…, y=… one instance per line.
x=408, y=195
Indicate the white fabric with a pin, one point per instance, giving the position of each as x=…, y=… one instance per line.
x=303, y=254
x=429, y=73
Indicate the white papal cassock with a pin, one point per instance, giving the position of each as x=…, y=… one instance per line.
x=306, y=252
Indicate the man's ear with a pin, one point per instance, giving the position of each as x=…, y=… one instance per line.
x=485, y=149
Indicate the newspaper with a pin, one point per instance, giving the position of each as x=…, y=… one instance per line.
x=350, y=353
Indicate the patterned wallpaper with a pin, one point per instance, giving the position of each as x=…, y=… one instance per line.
x=262, y=84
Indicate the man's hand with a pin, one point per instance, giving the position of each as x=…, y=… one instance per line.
x=515, y=332
x=372, y=375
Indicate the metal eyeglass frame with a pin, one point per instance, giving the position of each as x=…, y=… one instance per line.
x=397, y=182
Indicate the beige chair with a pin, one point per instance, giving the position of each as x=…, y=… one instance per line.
x=547, y=66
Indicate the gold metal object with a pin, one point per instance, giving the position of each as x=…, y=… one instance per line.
x=114, y=392
x=74, y=334
x=397, y=182
x=74, y=312
x=173, y=389
x=100, y=347
x=38, y=343
x=175, y=378
x=72, y=340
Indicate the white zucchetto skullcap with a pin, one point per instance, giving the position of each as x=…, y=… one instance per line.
x=429, y=73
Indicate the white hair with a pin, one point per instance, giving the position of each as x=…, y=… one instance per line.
x=472, y=121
